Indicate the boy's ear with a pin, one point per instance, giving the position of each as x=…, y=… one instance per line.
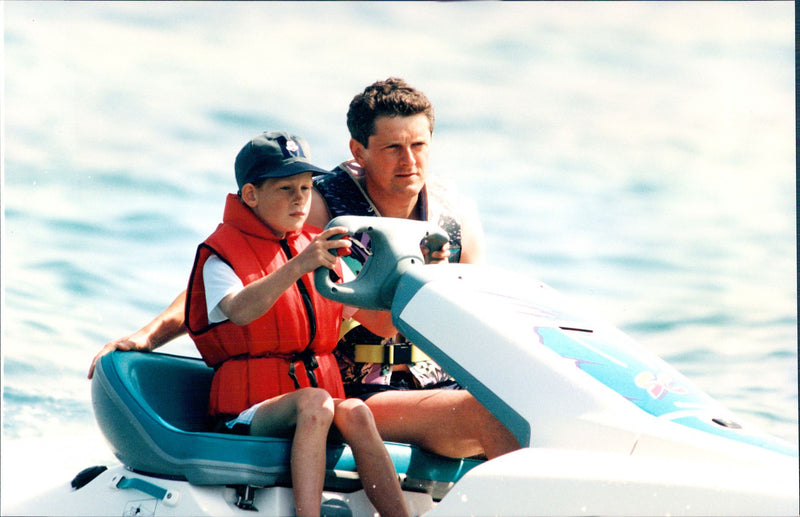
x=249, y=195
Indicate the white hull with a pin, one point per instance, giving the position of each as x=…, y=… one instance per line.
x=103, y=498
x=569, y=483
x=526, y=482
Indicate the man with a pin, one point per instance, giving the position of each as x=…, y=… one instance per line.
x=391, y=126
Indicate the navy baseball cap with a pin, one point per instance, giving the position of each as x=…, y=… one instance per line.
x=273, y=154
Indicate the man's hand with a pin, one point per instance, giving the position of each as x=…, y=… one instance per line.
x=134, y=342
x=436, y=257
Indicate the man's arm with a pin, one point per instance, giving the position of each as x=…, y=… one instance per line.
x=473, y=245
x=318, y=214
x=164, y=328
x=377, y=322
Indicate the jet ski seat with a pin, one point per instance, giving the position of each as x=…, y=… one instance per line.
x=152, y=409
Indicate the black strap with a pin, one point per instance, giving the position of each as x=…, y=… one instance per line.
x=309, y=360
x=307, y=355
x=312, y=319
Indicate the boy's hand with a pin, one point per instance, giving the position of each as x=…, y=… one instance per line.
x=318, y=253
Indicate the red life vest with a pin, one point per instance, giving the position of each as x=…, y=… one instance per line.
x=253, y=361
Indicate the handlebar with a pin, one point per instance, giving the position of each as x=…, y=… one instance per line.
x=395, y=247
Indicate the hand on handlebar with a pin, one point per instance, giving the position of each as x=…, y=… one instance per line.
x=322, y=252
x=434, y=249
x=437, y=257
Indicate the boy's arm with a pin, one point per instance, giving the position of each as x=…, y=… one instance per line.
x=255, y=299
x=163, y=328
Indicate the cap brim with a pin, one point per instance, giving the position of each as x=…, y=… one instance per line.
x=290, y=169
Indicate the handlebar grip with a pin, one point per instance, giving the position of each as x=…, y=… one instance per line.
x=436, y=241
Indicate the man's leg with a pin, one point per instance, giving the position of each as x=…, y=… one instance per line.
x=448, y=422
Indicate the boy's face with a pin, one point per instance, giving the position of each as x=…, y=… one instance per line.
x=282, y=204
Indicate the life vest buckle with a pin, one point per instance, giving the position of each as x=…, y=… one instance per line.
x=309, y=360
x=398, y=353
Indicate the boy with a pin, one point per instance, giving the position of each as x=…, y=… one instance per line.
x=254, y=314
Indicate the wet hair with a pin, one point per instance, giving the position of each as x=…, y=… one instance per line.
x=390, y=98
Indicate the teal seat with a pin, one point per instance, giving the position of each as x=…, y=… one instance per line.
x=152, y=409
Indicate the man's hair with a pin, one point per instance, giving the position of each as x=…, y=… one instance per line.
x=390, y=98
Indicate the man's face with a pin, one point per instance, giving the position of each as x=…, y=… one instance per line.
x=396, y=159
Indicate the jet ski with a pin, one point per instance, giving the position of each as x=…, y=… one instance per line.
x=605, y=426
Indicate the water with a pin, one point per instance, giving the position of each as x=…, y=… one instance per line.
x=637, y=156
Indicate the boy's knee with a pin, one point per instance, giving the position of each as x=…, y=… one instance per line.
x=315, y=404
x=353, y=414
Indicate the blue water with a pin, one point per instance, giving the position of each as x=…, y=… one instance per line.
x=637, y=156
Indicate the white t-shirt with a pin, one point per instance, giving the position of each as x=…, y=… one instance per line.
x=220, y=280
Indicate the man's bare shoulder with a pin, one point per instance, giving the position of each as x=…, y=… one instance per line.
x=318, y=214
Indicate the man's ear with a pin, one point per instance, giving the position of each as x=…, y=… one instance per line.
x=249, y=195
x=356, y=149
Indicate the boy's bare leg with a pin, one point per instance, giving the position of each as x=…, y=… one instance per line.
x=378, y=476
x=308, y=413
